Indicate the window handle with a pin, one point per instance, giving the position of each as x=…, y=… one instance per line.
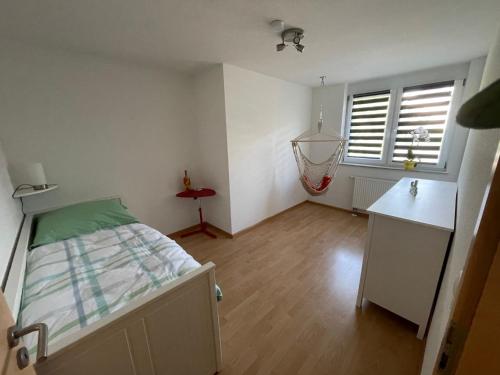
x=14, y=333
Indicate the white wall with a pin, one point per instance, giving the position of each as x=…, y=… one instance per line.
x=475, y=174
x=213, y=158
x=100, y=128
x=262, y=114
x=333, y=99
x=10, y=216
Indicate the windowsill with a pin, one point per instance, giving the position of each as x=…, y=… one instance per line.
x=436, y=171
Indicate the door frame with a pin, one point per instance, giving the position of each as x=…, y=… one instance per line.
x=484, y=247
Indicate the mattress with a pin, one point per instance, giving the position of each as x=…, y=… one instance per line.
x=73, y=283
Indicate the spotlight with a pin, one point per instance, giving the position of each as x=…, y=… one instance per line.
x=299, y=47
x=289, y=37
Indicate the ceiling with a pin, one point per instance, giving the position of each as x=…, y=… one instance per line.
x=348, y=40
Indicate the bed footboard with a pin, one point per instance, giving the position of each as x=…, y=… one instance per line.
x=174, y=330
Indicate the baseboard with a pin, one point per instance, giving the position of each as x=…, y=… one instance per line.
x=264, y=221
x=193, y=227
x=339, y=208
x=221, y=231
x=243, y=231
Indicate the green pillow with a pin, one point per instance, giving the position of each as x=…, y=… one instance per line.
x=78, y=219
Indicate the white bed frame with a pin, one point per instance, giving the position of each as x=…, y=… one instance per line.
x=173, y=330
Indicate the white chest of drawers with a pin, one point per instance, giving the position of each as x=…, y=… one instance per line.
x=408, y=238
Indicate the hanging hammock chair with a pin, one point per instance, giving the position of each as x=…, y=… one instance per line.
x=317, y=177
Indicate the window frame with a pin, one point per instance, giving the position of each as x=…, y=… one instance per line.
x=396, y=93
x=347, y=130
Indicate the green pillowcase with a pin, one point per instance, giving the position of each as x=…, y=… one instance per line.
x=78, y=219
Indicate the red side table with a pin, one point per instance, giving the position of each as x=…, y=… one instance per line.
x=195, y=194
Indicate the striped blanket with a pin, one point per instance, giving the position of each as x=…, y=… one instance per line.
x=73, y=283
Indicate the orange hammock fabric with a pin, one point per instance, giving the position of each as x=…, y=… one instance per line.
x=323, y=186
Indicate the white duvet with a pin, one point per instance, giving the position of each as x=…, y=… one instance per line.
x=73, y=283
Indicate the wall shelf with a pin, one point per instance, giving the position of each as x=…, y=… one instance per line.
x=21, y=193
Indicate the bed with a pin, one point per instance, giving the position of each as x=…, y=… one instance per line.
x=123, y=299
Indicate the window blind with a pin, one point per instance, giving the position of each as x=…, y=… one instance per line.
x=426, y=106
x=367, y=124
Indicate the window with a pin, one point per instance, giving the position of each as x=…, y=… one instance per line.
x=368, y=124
x=379, y=125
x=427, y=107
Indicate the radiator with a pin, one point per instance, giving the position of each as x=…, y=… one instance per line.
x=368, y=190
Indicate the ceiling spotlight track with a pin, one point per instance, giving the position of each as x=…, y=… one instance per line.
x=291, y=36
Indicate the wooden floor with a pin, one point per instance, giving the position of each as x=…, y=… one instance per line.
x=289, y=299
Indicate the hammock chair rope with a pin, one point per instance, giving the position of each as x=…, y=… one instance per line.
x=316, y=177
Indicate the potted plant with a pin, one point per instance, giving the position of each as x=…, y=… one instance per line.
x=417, y=135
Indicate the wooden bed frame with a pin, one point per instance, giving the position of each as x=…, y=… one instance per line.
x=173, y=330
